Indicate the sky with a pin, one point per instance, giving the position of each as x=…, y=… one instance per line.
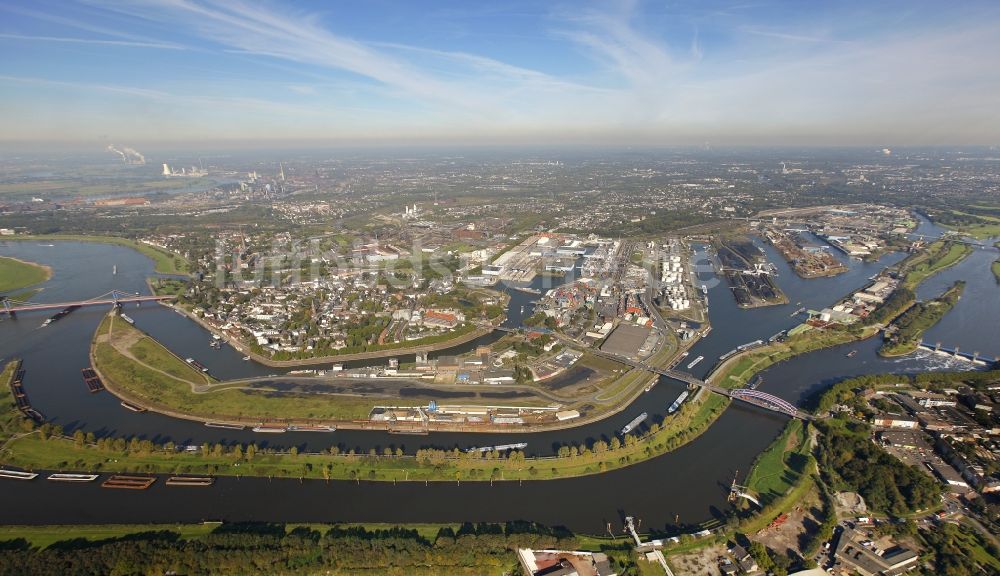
x=617, y=72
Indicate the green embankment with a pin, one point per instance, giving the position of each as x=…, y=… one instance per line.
x=42, y=451
x=779, y=467
x=936, y=257
x=996, y=270
x=166, y=262
x=17, y=274
x=909, y=328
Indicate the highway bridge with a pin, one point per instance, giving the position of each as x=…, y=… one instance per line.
x=114, y=297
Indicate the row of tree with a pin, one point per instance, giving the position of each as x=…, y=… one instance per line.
x=272, y=549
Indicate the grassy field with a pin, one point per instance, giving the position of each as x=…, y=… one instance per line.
x=17, y=274
x=938, y=256
x=166, y=262
x=996, y=270
x=780, y=466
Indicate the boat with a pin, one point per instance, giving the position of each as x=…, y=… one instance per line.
x=634, y=423
x=72, y=477
x=270, y=429
x=196, y=364
x=132, y=407
x=704, y=289
x=47, y=322
x=127, y=319
x=651, y=383
x=312, y=428
x=17, y=474
x=92, y=380
x=677, y=403
x=695, y=362
x=852, y=353
x=797, y=312
x=225, y=426
x=128, y=482
x=197, y=481
x=245, y=358
x=527, y=289
x=498, y=448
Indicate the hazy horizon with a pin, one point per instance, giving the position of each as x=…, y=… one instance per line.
x=248, y=74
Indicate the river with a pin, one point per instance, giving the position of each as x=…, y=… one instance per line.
x=689, y=484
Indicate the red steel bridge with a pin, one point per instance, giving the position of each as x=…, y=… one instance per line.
x=114, y=297
x=750, y=396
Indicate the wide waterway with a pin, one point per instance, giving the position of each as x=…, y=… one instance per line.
x=689, y=483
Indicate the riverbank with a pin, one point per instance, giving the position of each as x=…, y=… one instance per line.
x=166, y=262
x=40, y=451
x=16, y=274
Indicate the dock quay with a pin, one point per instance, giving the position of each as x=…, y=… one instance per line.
x=17, y=474
x=128, y=482
x=196, y=481
x=92, y=380
x=72, y=477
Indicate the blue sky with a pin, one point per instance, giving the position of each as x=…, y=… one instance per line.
x=907, y=72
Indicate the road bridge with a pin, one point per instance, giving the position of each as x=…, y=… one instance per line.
x=113, y=297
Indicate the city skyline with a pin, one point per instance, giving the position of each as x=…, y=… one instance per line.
x=385, y=72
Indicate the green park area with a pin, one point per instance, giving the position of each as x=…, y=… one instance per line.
x=17, y=274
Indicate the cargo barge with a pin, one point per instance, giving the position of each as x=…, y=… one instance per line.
x=695, y=362
x=17, y=474
x=196, y=481
x=225, y=425
x=92, y=380
x=72, y=477
x=122, y=482
x=197, y=364
x=499, y=448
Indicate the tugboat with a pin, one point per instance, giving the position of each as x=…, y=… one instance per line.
x=852, y=353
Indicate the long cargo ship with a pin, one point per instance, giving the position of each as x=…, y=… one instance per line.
x=270, y=429
x=677, y=403
x=127, y=319
x=312, y=428
x=695, y=362
x=58, y=315
x=498, y=448
x=634, y=423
